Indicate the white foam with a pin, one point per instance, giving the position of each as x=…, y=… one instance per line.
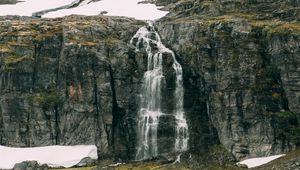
x=53, y=156
x=254, y=162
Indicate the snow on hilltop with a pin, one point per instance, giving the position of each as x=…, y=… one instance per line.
x=128, y=8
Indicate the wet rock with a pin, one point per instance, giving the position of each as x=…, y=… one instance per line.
x=87, y=162
x=30, y=165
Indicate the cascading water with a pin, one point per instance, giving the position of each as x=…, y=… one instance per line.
x=150, y=109
x=181, y=141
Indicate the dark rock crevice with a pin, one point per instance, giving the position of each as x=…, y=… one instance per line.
x=118, y=115
x=35, y=56
x=97, y=107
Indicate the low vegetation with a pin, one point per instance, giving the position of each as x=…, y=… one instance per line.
x=48, y=99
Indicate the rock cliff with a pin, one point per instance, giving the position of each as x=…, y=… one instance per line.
x=76, y=80
x=242, y=66
x=68, y=81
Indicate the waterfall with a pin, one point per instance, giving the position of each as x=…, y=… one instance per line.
x=181, y=140
x=150, y=107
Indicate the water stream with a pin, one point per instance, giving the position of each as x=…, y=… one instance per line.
x=151, y=97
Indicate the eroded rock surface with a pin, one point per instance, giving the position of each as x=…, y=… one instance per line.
x=68, y=81
x=245, y=71
x=76, y=80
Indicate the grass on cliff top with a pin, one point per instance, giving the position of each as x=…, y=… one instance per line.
x=4, y=48
x=276, y=26
x=88, y=43
x=13, y=60
x=273, y=27
x=19, y=44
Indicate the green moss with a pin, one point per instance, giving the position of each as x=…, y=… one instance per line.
x=151, y=166
x=287, y=126
x=285, y=115
x=202, y=41
x=271, y=27
x=20, y=44
x=226, y=167
x=218, y=150
x=42, y=36
x=4, y=48
x=39, y=36
x=88, y=44
x=111, y=40
x=189, y=48
x=81, y=168
x=48, y=99
x=285, y=28
x=14, y=60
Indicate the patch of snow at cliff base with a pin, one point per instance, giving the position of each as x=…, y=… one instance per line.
x=254, y=162
x=127, y=8
x=53, y=156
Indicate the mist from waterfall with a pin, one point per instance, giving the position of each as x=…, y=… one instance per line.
x=151, y=97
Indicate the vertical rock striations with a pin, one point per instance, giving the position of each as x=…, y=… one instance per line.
x=62, y=81
x=242, y=67
x=78, y=80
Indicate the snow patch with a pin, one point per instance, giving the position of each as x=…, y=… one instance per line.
x=53, y=156
x=28, y=7
x=127, y=8
x=254, y=162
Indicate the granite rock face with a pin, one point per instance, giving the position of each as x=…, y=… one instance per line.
x=30, y=165
x=77, y=80
x=245, y=71
x=68, y=81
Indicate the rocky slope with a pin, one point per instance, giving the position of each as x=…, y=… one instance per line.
x=67, y=81
x=76, y=80
x=244, y=66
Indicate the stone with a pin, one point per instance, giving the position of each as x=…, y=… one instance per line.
x=64, y=88
x=87, y=162
x=30, y=165
x=76, y=80
x=233, y=81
